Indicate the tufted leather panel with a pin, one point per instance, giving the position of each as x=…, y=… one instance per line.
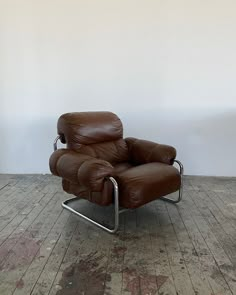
x=144, y=151
x=112, y=151
x=89, y=128
x=144, y=183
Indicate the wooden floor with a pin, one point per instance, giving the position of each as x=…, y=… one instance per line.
x=160, y=248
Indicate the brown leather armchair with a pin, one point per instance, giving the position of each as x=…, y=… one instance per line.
x=101, y=166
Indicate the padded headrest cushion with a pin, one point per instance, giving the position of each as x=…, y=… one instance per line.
x=89, y=127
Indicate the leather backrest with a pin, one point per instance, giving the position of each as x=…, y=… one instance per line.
x=114, y=152
x=98, y=134
x=89, y=127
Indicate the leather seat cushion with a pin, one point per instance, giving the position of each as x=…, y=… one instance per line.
x=121, y=167
x=142, y=184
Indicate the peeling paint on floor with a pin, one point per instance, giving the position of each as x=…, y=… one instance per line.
x=142, y=283
x=22, y=252
x=88, y=276
x=20, y=284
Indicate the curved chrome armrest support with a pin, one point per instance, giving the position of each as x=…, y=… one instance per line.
x=181, y=171
x=181, y=167
x=65, y=205
x=55, y=142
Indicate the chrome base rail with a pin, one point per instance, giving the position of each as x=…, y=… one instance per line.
x=181, y=171
x=65, y=205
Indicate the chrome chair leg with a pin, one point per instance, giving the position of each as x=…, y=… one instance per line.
x=66, y=203
x=181, y=170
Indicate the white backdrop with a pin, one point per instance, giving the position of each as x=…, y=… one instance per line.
x=167, y=68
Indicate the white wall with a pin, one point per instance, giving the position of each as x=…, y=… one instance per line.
x=166, y=67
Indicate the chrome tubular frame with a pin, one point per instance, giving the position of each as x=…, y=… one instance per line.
x=181, y=171
x=65, y=205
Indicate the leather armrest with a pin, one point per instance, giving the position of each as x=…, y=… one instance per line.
x=143, y=151
x=79, y=168
x=92, y=173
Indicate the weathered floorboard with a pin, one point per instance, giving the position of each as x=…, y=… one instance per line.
x=160, y=249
